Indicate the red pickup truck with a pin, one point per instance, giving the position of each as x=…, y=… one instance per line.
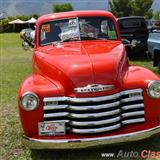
x=82, y=91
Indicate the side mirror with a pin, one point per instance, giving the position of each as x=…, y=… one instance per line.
x=126, y=42
x=25, y=45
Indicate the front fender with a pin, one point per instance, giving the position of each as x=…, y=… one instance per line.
x=139, y=77
x=42, y=87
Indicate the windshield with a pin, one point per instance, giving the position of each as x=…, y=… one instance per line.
x=76, y=29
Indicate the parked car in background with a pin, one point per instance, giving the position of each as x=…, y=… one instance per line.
x=154, y=46
x=134, y=29
x=82, y=91
x=27, y=35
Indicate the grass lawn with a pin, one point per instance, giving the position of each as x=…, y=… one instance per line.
x=15, y=65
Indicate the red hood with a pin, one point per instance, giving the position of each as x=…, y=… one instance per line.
x=82, y=63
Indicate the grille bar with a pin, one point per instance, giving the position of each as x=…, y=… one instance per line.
x=135, y=106
x=95, y=123
x=138, y=113
x=137, y=120
x=82, y=100
x=74, y=115
x=97, y=130
x=104, y=129
x=61, y=114
x=93, y=115
x=81, y=108
x=55, y=107
x=132, y=99
x=102, y=106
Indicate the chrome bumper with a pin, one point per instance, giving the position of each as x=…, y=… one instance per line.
x=88, y=142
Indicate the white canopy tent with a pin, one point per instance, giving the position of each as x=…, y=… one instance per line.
x=17, y=21
x=32, y=20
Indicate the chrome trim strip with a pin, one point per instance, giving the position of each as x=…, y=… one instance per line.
x=102, y=106
x=81, y=108
x=131, y=91
x=132, y=99
x=65, y=121
x=94, y=115
x=54, y=107
x=92, y=99
x=97, y=99
x=95, y=123
x=135, y=106
x=137, y=120
x=82, y=100
x=96, y=130
x=52, y=99
x=50, y=115
x=130, y=114
x=75, y=115
x=88, y=142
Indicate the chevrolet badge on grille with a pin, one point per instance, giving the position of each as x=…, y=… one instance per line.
x=94, y=88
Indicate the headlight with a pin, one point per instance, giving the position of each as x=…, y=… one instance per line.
x=29, y=101
x=154, y=89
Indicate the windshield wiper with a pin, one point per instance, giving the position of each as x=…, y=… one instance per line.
x=70, y=39
x=56, y=42
x=65, y=40
x=87, y=37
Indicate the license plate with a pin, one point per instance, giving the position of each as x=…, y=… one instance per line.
x=51, y=128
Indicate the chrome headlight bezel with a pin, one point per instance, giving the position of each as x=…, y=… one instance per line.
x=151, y=89
x=25, y=97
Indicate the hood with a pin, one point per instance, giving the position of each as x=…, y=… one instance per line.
x=82, y=63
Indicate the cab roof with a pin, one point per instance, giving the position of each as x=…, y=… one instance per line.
x=71, y=14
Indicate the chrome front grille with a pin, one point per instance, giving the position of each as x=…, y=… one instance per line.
x=96, y=114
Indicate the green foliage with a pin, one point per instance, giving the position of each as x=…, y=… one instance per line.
x=62, y=7
x=142, y=8
x=122, y=8
x=157, y=15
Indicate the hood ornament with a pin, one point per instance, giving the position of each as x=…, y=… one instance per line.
x=94, y=88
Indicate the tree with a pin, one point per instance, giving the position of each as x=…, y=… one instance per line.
x=142, y=8
x=121, y=8
x=157, y=15
x=62, y=7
